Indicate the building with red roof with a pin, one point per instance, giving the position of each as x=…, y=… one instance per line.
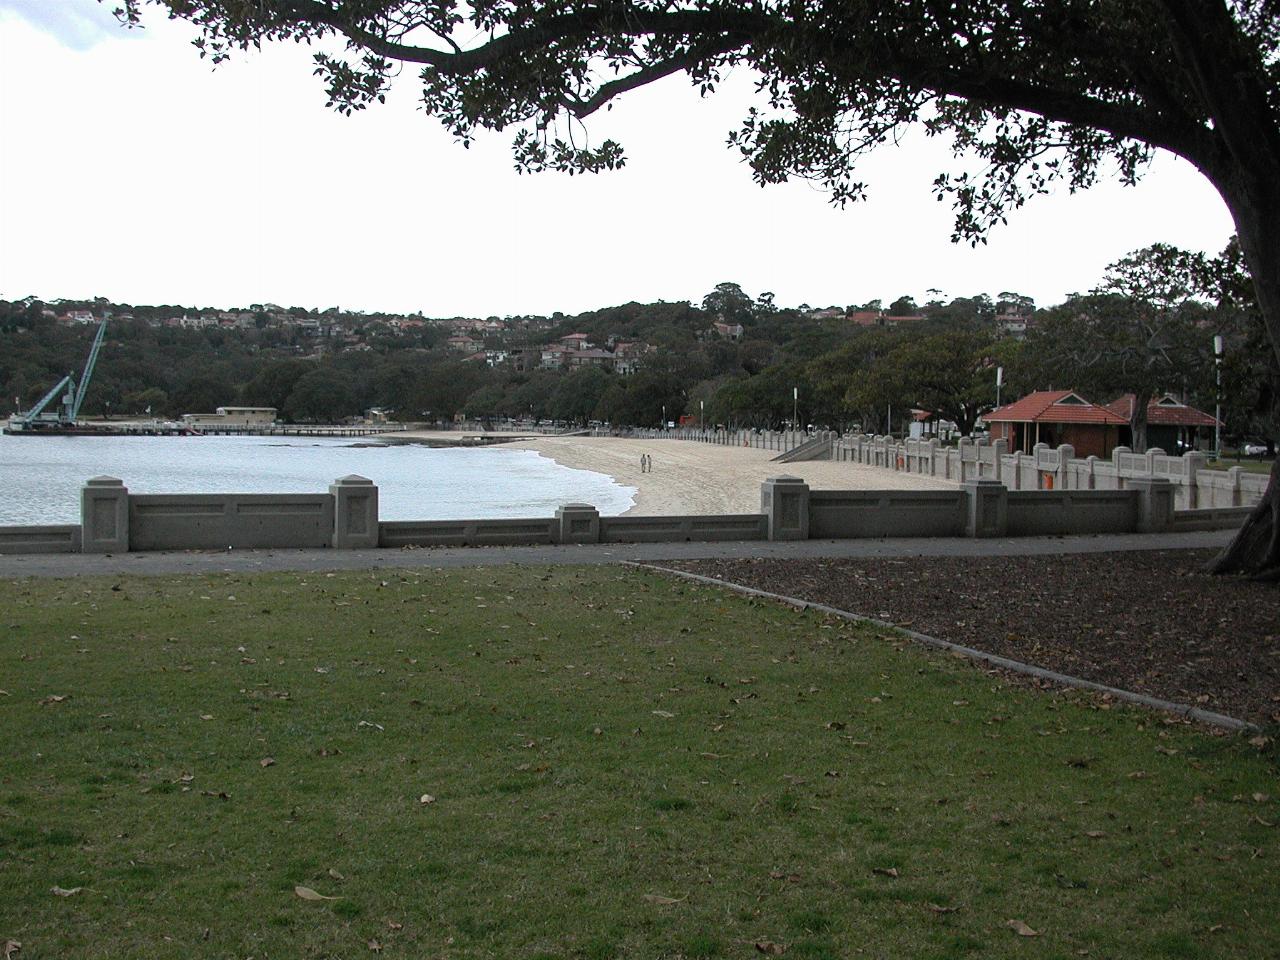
x=1056, y=417
x=1171, y=424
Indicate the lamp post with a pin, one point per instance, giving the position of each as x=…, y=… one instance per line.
x=702, y=415
x=663, y=425
x=999, y=382
x=795, y=408
x=1217, y=404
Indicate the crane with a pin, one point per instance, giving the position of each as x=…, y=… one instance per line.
x=68, y=409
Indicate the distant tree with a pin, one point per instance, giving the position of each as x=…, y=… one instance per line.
x=577, y=396
x=903, y=307
x=728, y=303
x=1140, y=332
x=320, y=396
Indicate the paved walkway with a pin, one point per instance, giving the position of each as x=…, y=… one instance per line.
x=248, y=561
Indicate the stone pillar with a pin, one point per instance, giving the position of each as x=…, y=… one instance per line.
x=1193, y=461
x=1090, y=474
x=1233, y=485
x=578, y=523
x=935, y=445
x=988, y=508
x=1000, y=450
x=1155, y=504
x=1066, y=453
x=355, y=513
x=104, y=516
x=785, y=501
x=1151, y=459
x=961, y=445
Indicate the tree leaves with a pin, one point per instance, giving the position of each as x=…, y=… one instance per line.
x=1021, y=929
x=306, y=893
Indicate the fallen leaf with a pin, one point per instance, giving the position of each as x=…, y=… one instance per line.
x=335, y=874
x=1021, y=929
x=375, y=946
x=935, y=908
x=426, y=798
x=663, y=713
x=206, y=716
x=663, y=901
x=1260, y=798
x=306, y=893
x=53, y=698
x=10, y=948
x=267, y=762
x=886, y=871
x=1095, y=834
x=63, y=892
x=769, y=948
x=395, y=926
x=835, y=725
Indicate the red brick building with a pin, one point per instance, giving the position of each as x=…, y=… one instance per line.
x=1171, y=425
x=1056, y=417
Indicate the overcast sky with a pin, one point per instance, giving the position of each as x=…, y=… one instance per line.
x=132, y=170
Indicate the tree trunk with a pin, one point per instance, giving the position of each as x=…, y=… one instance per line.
x=1255, y=549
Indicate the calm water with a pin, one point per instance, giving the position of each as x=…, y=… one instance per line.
x=40, y=477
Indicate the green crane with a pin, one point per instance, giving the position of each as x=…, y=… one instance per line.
x=69, y=408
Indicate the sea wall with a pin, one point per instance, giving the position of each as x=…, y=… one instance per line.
x=346, y=517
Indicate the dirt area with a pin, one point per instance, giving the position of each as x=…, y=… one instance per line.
x=1151, y=622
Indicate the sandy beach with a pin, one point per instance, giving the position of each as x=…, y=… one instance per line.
x=701, y=478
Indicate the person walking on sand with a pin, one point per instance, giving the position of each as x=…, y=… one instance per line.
x=642, y=463
x=649, y=460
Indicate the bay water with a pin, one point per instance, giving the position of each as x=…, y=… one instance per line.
x=41, y=477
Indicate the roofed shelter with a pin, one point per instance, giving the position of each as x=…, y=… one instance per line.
x=1171, y=424
x=1056, y=417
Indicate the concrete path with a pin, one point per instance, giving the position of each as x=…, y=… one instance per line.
x=250, y=561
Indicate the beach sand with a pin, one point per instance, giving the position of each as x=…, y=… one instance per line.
x=702, y=478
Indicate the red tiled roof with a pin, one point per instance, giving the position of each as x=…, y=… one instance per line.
x=1162, y=412
x=1046, y=406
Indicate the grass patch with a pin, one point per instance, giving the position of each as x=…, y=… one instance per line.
x=583, y=763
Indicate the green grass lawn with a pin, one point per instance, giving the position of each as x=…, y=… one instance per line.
x=618, y=765
x=1252, y=465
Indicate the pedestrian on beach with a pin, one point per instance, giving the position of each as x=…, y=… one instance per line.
x=642, y=463
x=649, y=458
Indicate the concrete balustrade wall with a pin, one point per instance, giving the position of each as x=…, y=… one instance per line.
x=459, y=533
x=47, y=538
x=216, y=521
x=1050, y=468
x=113, y=520
x=841, y=515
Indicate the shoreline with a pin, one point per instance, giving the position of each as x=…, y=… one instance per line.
x=692, y=478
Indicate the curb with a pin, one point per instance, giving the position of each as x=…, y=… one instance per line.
x=1167, y=706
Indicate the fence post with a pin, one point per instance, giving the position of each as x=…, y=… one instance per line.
x=785, y=501
x=355, y=513
x=1001, y=448
x=1090, y=465
x=1193, y=461
x=987, y=508
x=578, y=523
x=1066, y=453
x=104, y=516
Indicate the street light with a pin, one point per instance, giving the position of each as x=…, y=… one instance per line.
x=702, y=419
x=663, y=425
x=795, y=408
x=1217, y=405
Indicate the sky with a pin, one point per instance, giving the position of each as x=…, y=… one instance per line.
x=135, y=171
